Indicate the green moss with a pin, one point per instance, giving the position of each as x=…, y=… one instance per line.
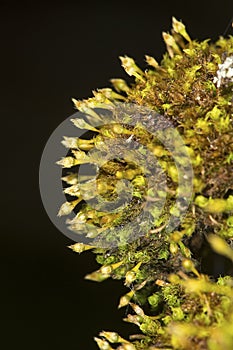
x=186, y=308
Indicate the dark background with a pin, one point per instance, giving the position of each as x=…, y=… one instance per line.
x=50, y=53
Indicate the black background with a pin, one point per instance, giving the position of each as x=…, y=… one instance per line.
x=50, y=53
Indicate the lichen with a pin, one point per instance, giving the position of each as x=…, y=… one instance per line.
x=193, y=88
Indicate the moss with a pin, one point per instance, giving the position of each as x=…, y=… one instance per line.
x=192, y=88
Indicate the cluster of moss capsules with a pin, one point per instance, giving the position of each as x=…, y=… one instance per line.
x=173, y=303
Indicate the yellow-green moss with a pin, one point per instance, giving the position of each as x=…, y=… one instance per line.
x=188, y=310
